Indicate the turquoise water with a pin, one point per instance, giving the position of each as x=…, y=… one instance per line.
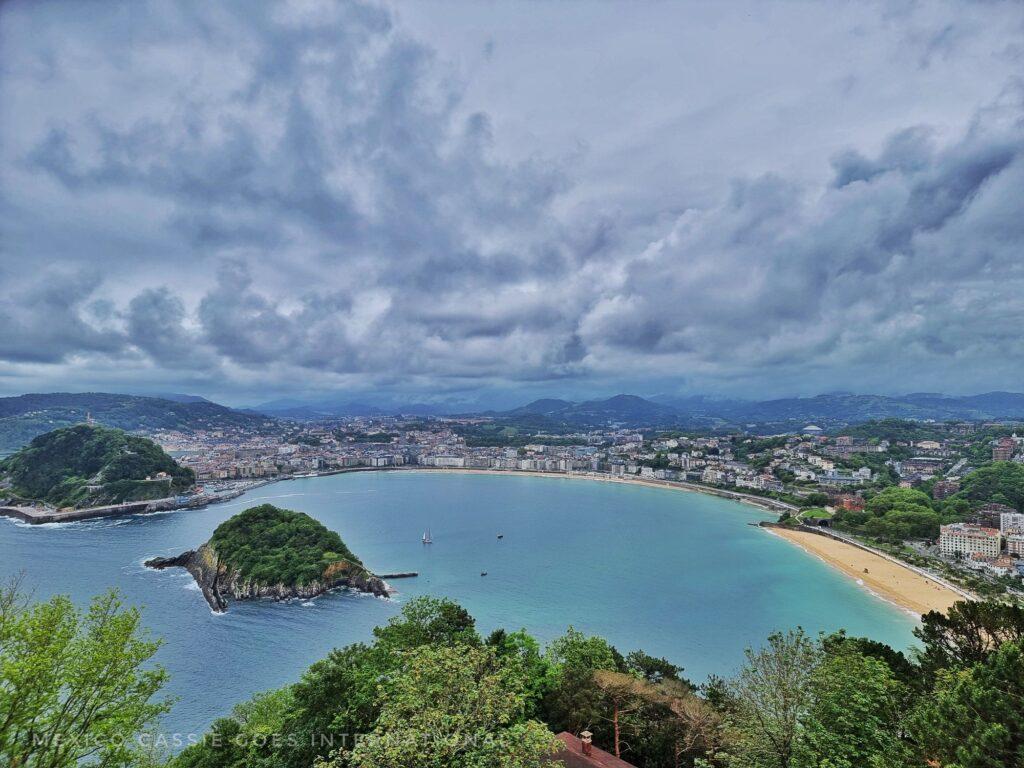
x=678, y=574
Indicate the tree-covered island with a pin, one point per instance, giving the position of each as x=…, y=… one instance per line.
x=267, y=551
x=88, y=465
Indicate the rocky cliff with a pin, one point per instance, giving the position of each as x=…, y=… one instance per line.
x=220, y=582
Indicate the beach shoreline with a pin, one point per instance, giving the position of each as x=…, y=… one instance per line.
x=761, y=503
x=886, y=578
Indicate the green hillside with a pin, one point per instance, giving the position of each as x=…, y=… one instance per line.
x=269, y=545
x=87, y=465
x=24, y=417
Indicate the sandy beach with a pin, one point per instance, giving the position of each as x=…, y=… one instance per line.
x=896, y=583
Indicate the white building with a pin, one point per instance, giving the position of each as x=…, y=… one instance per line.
x=965, y=539
x=1015, y=544
x=1011, y=521
x=449, y=461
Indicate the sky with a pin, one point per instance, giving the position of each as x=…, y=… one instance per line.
x=486, y=202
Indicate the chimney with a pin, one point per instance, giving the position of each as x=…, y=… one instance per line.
x=586, y=739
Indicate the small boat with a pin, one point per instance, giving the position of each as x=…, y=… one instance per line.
x=501, y=535
x=483, y=573
x=426, y=537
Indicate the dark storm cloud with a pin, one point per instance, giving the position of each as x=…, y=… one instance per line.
x=304, y=192
x=50, y=320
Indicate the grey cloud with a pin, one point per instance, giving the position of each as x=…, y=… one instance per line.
x=305, y=192
x=155, y=322
x=777, y=277
x=49, y=320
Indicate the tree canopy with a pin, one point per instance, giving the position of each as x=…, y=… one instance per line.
x=270, y=545
x=1001, y=482
x=894, y=514
x=75, y=687
x=88, y=465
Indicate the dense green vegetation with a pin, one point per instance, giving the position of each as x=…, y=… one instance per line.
x=269, y=545
x=87, y=465
x=896, y=430
x=505, y=433
x=76, y=688
x=895, y=514
x=1001, y=482
x=430, y=691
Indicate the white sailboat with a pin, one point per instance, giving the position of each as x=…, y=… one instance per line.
x=426, y=537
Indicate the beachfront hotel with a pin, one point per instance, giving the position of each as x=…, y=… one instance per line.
x=966, y=539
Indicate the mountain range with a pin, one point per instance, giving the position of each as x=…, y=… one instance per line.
x=25, y=416
x=828, y=410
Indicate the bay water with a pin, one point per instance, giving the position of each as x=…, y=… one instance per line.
x=681, y=575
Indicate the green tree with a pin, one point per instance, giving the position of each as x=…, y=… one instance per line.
x=270, y=545
x=250, y=738
x=896, y=498
x=1001, y=481
x=520, y=649
x=86, y=464
x=973, y=718
x=73, y=685
x=854, y=716
x=902, y=668
x=454, y=706
x=652, y=669
x=968, y=633
x=428, y=620
x=335, y=697
x=769, y=697
x=573, y=701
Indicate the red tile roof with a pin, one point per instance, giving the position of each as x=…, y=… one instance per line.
x=572, y=755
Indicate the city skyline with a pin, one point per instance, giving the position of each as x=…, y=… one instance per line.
x=447, y=202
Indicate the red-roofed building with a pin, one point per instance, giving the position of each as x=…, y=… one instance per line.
x=580, y=753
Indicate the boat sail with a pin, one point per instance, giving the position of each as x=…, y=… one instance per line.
x=426, y=537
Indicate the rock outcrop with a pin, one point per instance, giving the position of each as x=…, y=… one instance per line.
x=219, y=582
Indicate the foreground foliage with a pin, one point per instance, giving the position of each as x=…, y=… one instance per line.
x=430, y=692
x=74, y=687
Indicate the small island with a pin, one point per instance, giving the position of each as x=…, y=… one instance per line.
x=267, y=551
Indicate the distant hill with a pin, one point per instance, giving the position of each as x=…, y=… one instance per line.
x=831, y=410
x=626, y=409
x=87, y=465
x=299, y=410
x=176, y=397
x=845, y=408
x=24, y=417
x=543, y=407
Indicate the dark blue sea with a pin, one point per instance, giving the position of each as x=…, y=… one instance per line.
x=678, y=574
